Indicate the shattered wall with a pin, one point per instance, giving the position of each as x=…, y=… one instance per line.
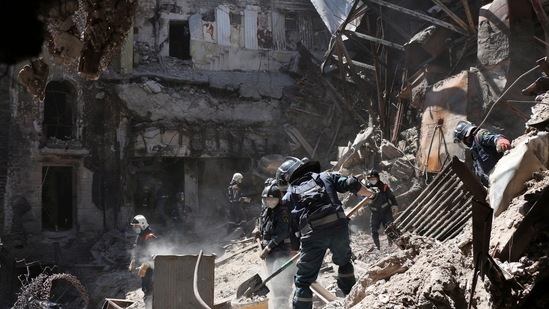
x=226, y=36
x=163, y=120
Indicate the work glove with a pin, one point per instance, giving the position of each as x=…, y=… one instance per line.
x=256, y=233
x=361, y=211
x=131, y=267
x=503, y=144
x=265, y=252
x=142, y=270
x=394, y=210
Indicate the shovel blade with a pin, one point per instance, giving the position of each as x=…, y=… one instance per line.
x=251, y=284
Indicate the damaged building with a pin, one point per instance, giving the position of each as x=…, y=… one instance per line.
x=125, y=100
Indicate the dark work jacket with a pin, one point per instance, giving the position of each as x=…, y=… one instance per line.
x=484, y=154
x=142, y=247
x=274, y=225
x=328, y=214
x=234, y=193
x=385, y=197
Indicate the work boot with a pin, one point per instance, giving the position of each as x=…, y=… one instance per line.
x=376, y=242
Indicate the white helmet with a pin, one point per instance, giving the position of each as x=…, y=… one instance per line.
x=237, y=177
x=141, y=221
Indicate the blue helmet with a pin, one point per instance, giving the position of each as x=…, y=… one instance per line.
x=463, y=129
x=293, y=168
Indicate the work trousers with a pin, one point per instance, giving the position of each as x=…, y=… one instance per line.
x=281, y=285
x=310, y=261
x=147, y=283
x=376, y=220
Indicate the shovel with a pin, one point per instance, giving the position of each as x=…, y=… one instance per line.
x=256, y=286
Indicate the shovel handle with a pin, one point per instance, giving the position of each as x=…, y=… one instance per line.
x=281, y=268
x=360, y=204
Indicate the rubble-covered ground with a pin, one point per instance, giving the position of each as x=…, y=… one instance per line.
x=424, y=274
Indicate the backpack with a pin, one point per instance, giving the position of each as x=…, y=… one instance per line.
x=311, y=193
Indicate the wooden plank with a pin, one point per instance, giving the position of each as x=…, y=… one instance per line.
x=452, y=15
x=373, y=39
x=419, y=15
x=322, y=293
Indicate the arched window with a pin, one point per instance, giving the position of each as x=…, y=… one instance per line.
x=59, y=111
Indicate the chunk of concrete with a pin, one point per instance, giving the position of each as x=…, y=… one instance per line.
x=515, y=168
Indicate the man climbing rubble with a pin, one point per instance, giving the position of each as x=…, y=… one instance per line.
x=382, y=208
x=486, y=147
x=141, y=255
x=323, y=224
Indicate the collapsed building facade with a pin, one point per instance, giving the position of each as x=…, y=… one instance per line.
x=185, y=94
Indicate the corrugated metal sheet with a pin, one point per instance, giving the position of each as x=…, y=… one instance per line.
x=333, y=12
x=250, y=28
x=173, y=281
x=223, y=25
x=441, y=210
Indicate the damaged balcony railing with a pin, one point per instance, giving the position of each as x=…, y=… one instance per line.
x=440, y=211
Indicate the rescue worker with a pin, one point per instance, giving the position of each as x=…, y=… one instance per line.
x=141, y=255
x=323, y=224
x=236, y=215
x=486, y=147
x=160, y=202
x=274, y=229
x=382, y=208
x=294, y=230
x=183, y=214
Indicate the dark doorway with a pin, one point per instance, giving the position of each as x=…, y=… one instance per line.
x=58, y=111
x=180, y=40
x=57, y=198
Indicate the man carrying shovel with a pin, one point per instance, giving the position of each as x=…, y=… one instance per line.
x=274, y=232
x=323, y=224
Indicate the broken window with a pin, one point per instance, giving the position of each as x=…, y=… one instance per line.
x=57, y=198
x=59, y=111
x=180, y=40
x=292, y=31
x=264, y=32
x=235, y=20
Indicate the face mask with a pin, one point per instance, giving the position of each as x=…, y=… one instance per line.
x=137, y=230
x=270, y=202
x=373, y=181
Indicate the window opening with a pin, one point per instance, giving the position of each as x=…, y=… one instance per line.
x=180, y=40
x=58, y=111
x=57, y=198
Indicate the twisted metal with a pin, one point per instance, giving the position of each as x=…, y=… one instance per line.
x=36, y=294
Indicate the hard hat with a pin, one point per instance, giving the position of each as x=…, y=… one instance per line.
x=270, y=197
x=141, y=221
x=237, y=177
x=372, y=173
x=293, y=168
x=463, y=129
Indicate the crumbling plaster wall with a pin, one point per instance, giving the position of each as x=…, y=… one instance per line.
x=505, y=50
x=256, y=42
x=27, y=157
